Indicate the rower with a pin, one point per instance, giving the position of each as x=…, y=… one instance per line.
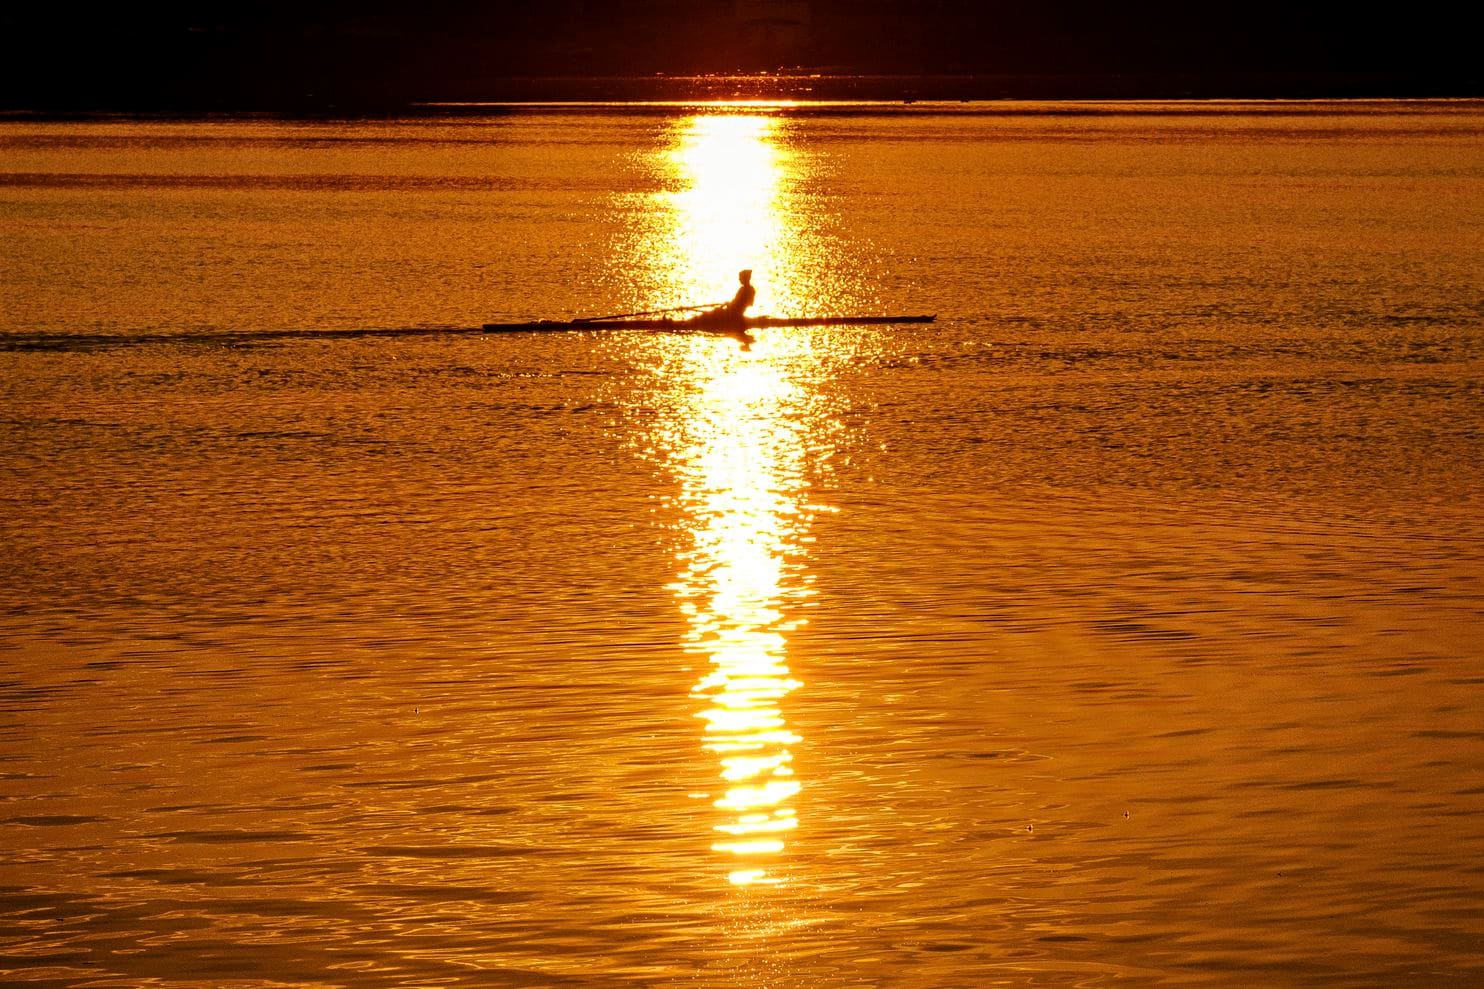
x=736, y=310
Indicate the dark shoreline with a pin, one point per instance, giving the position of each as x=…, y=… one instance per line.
x=474, y=112
x=490, y=93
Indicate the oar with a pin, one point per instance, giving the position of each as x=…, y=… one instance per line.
x=650, y=312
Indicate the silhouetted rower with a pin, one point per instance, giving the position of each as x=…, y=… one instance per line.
x=733, y=313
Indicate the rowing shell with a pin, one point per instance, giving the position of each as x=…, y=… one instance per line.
x=699, y=326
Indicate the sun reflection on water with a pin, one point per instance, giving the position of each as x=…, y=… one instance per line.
x=725, y=212
x=742, y=467
x=739, y=444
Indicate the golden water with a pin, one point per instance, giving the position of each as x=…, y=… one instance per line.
x=1122, y=626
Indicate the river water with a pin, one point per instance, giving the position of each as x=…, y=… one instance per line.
x=1122, y=626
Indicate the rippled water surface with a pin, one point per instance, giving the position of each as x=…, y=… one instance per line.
x=1123, y=625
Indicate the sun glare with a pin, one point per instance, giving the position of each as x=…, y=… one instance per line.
x=725, y=212
x=738, y=439
x=742, y=470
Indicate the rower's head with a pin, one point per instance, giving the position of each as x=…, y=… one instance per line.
x=744, y=276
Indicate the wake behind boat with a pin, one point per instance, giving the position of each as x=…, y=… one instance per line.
x=92, y=341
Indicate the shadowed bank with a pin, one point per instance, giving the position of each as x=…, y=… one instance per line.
x=337, y=57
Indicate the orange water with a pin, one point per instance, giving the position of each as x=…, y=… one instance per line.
x=1122, y=626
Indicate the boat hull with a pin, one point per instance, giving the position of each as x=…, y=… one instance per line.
x=701, y=326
